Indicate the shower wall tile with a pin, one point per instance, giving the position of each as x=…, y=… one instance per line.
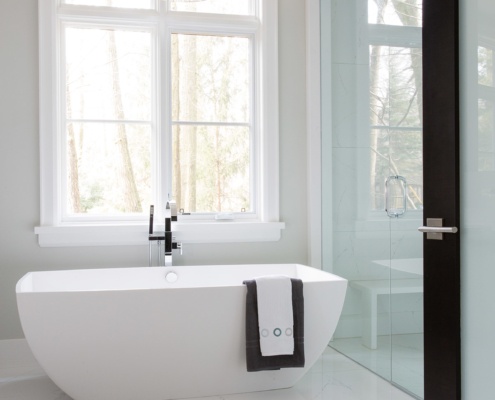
x=404, y=319
x=406, y=159
x=355, y=253
x=407, y=322
x=357, y=203
x=351, y=191
x=344, y=188
x=355, y=258
x=350, y=109
x=350, y=326
x=349, y=24
x=412, y=302
x=407, y=243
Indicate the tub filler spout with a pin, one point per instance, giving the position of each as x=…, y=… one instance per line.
x=169, y=241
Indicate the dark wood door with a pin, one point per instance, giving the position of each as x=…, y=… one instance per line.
x=442, y=341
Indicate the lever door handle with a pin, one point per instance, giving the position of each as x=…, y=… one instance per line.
x=434, y=229
x=443, y=229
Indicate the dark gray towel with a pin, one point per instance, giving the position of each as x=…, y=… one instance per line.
x=254, y=360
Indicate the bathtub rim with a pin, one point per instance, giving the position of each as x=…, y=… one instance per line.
x=25, y=284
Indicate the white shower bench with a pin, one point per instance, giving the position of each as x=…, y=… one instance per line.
x=370, y=290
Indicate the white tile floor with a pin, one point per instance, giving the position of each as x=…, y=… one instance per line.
x=333, y=377
x=398, y=358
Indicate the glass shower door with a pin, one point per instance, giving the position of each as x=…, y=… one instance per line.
x=372, y=176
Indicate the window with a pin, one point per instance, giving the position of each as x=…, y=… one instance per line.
x=486, y=106
x=395, y=107
x=142, y=101
x=212, y=131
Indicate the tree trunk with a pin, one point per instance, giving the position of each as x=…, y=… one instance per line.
x=410, y=16
x=132, y=203
x=73, y=184
x=190, y=62
x=218, y=166
x=176, y=161
x=375, y=106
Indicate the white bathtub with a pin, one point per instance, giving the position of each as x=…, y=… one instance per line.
x=128, y=333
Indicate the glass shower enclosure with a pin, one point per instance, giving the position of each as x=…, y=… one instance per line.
x=371, y=85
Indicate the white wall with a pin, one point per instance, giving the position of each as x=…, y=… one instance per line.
x=19, y=166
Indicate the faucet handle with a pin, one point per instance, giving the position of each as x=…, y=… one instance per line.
x=177, y=245
x=173, y=209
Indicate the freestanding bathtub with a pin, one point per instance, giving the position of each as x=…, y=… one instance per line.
x=162, y=332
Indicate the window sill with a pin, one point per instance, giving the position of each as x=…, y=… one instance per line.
x=132, y=235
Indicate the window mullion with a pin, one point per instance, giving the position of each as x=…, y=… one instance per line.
x=164, y=117
x=212, y=24
x=62, y=123
x=214, y=123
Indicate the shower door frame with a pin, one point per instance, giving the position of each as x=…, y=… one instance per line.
x=442, y=353
x=442, y=295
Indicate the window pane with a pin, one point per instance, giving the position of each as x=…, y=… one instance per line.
x=485, y=66
x=142, y=4
x=405, y=86
x=396, y=12
x=210, y=78
x=406, y=159
x=211, y=168
x=238, y=7
x=108, y=74
x=396, y=121
x=379, y=166
x=396, y=86
x=108, y=168
x=486, y=133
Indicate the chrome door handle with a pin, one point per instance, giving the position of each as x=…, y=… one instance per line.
x=435, y=229
x=445, y=229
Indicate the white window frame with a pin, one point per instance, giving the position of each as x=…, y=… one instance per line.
x=265, y=225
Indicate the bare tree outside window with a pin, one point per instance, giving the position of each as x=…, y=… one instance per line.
x=211, y=126
x=108, y=161
x=486, y=108
x=396, y=111
x=109, y=127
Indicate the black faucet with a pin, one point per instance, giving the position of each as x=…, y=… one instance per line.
x=166, y=236
x=170, y=243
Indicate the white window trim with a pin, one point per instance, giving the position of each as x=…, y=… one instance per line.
x=52, y=232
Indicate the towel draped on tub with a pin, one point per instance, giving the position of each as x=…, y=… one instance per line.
x=254, y=360
x=275, y=315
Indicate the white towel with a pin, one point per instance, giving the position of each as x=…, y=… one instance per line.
x=275, y=317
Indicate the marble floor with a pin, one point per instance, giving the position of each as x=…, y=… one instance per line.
x=333, y=377
x=398, y=358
